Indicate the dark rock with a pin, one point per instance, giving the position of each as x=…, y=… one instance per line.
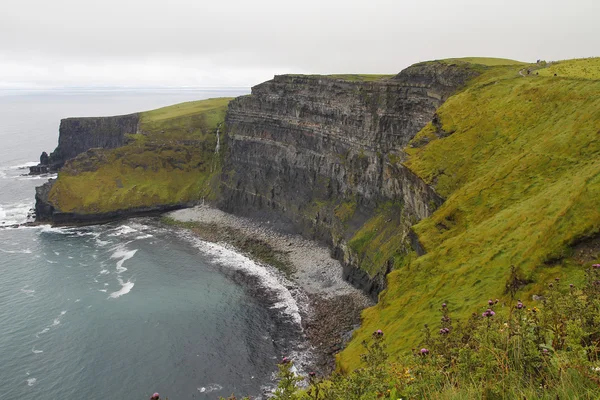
x=301, y=141
x=44, y=158
x=78, y=135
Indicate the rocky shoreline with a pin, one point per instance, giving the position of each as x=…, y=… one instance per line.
x=334, y=305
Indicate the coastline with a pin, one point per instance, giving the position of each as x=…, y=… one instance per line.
x=330, y=307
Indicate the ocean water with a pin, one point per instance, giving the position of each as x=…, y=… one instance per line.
x=124, y=309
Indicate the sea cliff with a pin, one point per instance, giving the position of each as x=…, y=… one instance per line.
x=429, y=186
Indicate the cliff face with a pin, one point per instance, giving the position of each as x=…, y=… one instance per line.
x=77, y=135
x=173, y=162
x=325, y=153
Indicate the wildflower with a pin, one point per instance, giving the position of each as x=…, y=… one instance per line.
x=545, y=351
x=520, y=306
x=378, y=333
x=312, y=374
x=424, y=351
x=496, y=301
x=557, y=279
x=490, y=302
x=444, y=331
x=443, y=305
x=488, y=313
x=550, y=285
x=285, y=360
x=571, y=286
x=596, y=266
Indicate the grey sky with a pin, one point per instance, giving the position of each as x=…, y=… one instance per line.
x=241, y=43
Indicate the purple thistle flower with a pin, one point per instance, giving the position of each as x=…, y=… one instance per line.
x=312, y=374
x=596, y=266
x=285, y=360
x=490, y=302
x=545, y=351
x=488, y=313
x=443, y=305
x=424, y=351
x=496, y=301
x=557, y=279
x=520, y=305
x=571, y=286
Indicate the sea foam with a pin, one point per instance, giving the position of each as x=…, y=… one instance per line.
x=269, y=278
x=124, y=254
x=125, y=288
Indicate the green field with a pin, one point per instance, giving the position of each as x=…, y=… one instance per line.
x=172, y=161
x=519, y=165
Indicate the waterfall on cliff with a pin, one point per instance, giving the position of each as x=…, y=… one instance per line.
x=218, y=143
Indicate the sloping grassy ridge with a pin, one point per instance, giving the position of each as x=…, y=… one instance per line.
x=518, y=160
x=171, y=161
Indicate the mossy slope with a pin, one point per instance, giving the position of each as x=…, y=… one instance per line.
x=172, y=161
x=518, y=159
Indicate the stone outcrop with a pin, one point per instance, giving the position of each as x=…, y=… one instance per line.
x=299, y=146
x=77, y=135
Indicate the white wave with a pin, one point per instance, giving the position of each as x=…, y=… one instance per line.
x=36, y=177
x=52, y=262
x=77, y=300
x=57, y=253
x=56, y=322
x=26, y=251
x=213, y=387
x=103, y=290
x=125, y=288
x=34, y=351
x=28, y=292
x=52, y=229
x=104, y=272
x=63, y=312
x=23, y=166
x=124, y=254
x=31, y=381
x=123, y=230
x=45, y=330
x=102, y=243
x=270, y=279
x=143, y=237
x=15, y=213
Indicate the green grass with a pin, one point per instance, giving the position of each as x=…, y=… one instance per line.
x=487, y=61
x=584, y=68
x=172, y=162
x=521, y=174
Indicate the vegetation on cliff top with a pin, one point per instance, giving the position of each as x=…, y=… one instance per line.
x=172, y=161
x=518, y=159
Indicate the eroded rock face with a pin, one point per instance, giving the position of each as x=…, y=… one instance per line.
x=78, y=135
x=301, y=145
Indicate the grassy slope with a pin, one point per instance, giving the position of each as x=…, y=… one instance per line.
x=521, y=174
x=487, y=61
x=173, y=161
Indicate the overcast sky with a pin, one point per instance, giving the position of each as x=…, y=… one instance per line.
x=242, y=43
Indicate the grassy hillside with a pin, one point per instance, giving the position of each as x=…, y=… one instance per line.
x=171, y=161
x=518, y=160
x=487, y=61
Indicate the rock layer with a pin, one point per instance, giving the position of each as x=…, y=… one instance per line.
x=78, y=135
x=302, y=146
